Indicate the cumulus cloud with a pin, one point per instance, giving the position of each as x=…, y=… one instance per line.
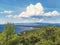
x=32, y=10
x=37, y=10
x=6, y=12
x=53, y=13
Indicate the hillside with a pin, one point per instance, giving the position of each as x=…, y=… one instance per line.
x=45, y=35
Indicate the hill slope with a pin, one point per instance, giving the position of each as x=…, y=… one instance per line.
x=48, y=35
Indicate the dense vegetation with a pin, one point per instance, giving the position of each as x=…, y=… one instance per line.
x=47, y=35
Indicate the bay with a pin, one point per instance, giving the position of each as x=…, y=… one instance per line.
x=18, y=28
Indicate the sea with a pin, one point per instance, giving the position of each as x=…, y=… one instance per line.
x=18, y=28
x=28, y=26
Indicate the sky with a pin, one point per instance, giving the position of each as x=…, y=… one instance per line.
x=29, y=11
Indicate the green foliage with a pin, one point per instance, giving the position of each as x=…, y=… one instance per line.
x=47, y=35
x=8, y=36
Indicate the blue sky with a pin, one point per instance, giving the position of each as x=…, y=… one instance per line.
x=26, y=11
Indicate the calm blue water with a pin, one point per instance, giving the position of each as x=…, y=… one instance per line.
x=1, y=28
x=18, y=28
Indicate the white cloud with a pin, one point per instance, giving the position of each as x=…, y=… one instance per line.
x=15, y=16
x=31, y=20
x=6, y=12
x=9, y=16
x=32, y=10
x=10, y=20
x=37, y=10
x=53, y=13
